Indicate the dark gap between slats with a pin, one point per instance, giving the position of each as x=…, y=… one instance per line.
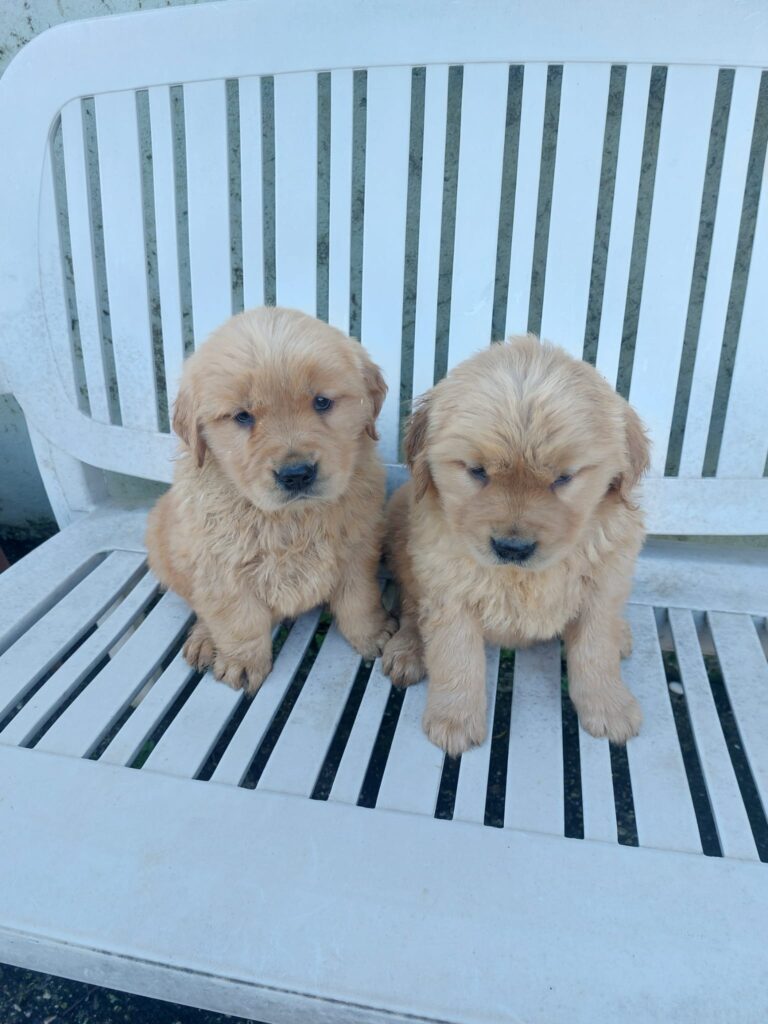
x=179, y=133
x=359, y=129
x=123, y=717
x=235, y=194
x=74, y=645
x=446, y=793
x=338, y=744
x=323, y=190
x=507, y=205
x=268, y=187
x=57, y=594
x=573, y=803
x=755, y=172
x=212, y=762
x=642, y=225
x=369, y=791
x=157, y=733
x=65, y=247
x=412, y=223
x=626, y=823
x=715, y=154
x=604, y=210
x=496, y=794
x=448, y=220
x=150, y=255
x=264, y=750
x=100, y=665
x=705, y=819
x=544, y=201
x=741, y=767
x=99, y=264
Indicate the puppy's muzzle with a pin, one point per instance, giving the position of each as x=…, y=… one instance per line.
x=512, y=550
x=296, y=477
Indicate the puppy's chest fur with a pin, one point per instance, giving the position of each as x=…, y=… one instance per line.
x=515, y=607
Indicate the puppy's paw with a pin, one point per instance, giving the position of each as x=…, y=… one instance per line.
x=371, y=640
x=199, y=651
x=242, y=673
x=403, y=658
x=616, y=715
x=457, y=727
x=625, y=639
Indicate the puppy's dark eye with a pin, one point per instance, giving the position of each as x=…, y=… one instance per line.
x=243, y=418
x=321, y=404
x=561, y=480
x=478, y=472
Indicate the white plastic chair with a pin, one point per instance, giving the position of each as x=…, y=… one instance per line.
x=309, y=856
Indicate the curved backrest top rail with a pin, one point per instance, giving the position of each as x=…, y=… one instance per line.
x=428, y=176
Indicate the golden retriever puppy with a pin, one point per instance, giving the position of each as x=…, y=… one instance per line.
x=276, y=504
x=519, y=524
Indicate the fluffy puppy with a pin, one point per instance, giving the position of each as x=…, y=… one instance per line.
x=519, y=524
x=276, y=504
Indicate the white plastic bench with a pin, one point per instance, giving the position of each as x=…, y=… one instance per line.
x=309, y=856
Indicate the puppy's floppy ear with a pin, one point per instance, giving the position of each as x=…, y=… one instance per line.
x=638, y=451
x=185, y=420
x=376, y=387
x=415, y=444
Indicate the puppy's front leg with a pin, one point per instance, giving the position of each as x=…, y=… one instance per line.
x=360, y=615
x=241, y=636
x=594, y=644
x=455, y=717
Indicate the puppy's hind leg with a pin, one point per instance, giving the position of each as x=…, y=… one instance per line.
x=199, y=651
x=403, y=656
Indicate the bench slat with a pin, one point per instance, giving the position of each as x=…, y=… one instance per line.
x=166, y=234
x=125, y=257
x=251, y=190
x=207, y=145
x=64, y=681
x=83, y=267
x=581, y=128
x=340, y=199
x=745, y=672
x=412, y=774
x=534, y=798
x=725, y=236
x=745, y=432
x=236, y=759
x=526, y=197
x=598, y=806
x=733, y=829
x=478, y=196
x=52, y=635
x=430, y=227
x=663, y=808
x=296, y=191
x=155, y=704
x=386, y=194
x=682, y=159
x=185, y=745
x=350, y=774
x=628, y=166
x=99, y=706
x=472, y=787
x=299, y=753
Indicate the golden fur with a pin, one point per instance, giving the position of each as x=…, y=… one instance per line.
x=240, y=549
x=562, y=453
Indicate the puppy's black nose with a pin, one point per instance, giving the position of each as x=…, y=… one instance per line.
x=296, y=477
x=509, y=549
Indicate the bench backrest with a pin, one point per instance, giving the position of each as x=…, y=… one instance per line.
x=430, y=176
